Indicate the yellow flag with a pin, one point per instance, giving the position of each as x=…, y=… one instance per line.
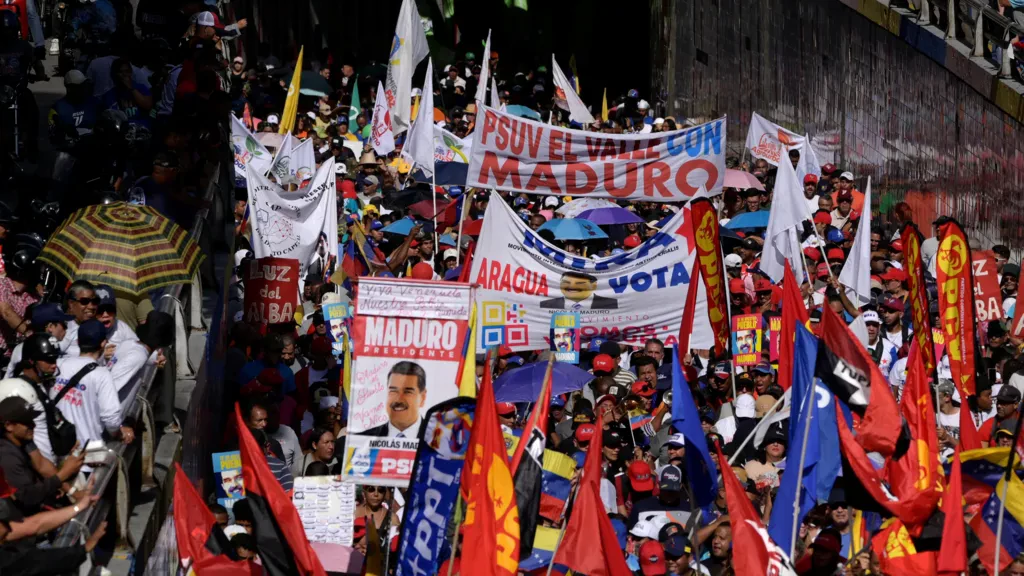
x=291, y=103
x=604, y=106
x=467, y=380
x=346, y=369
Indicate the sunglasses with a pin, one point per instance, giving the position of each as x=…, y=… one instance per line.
x=86, y=301
x=375, y=489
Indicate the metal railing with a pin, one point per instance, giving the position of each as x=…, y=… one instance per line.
x=119, y=457
x=977, y=19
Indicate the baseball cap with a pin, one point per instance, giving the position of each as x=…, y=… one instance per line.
x=676, y=440
x=376, y=225
x=676, y=545
x=848, y=176
x=1008, y=395
x=551, y=201
x=827, y=540
x=823, y=270
x=871, y=316
x=611, y=439
x=43, y=314
x=835, y=237
x=764, y=367
x=585, y=432
x=631, y=241
x=1007, y=428
x=762, y=285
x=822, y=217
x=205, y=19
x=751, y=244
x=643, y=388
x=74, y=78
x=828, y=169
x=894, y=274
x=17, y=410
x=612, y=397
x=603, y=363
x=596, y=343
x=644, y=528
x=733, y=261
x=722, y=370
x=640, y=478
x=91, y=334
x=671, y=479
x=836, y=255
x=744, y=406
x=557, y=402
x=506, y=409
x=652, y=559
x=273, y=119
x=106, y=295
x=896, y=245
x=451, y=253
x=893, y=304
x=945, y=387
x=813, y=253
x=668, y=530
x=736, y=286
x=844, y=195
x=810, y=179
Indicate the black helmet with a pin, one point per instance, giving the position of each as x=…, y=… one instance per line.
x=41, y=346
x=111, y=124
x=21, y=264
x=29, y=241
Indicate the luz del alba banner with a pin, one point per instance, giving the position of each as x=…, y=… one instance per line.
x=520, y=155
x=522, y=282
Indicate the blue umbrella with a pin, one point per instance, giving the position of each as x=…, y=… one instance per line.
x=446, y=240
x=523, y=112
x=573, y=229
x=610, y=215
x=523, y=384
x=748, y=220
x=401, y=226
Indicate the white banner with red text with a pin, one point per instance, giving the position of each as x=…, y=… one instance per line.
x=771, y=142
x=522, y=281
x=408, y=338
x=520, y=155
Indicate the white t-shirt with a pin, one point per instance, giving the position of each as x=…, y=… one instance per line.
x=127, y=361
x=69, y=345
x=121, y=333
x=93, y=407
x=289, y=442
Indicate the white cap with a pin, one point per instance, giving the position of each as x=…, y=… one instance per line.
x=273, y=119
x=642, y=105
x=745, y=406
x=74, y=78
x=311, y=114
x=677, y=439
x=240, y=255
x=846, y=176
x=450, y=253
x=205, y=19
x=871, y=316
x=644, y=529
x=646, y=129
x=417, y=92
x=659, y=121
x=328, y=402
x=551, y=201
x=234, y=530
x=340, y=168
x=239, y=316
x=733, y=261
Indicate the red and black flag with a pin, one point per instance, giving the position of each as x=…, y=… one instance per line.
x=528, y=467
x=202, y=545
x=283, y=547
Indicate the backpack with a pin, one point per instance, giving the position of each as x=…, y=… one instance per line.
x=62, y=433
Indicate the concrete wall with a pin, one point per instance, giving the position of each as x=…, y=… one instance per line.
x=882, y=106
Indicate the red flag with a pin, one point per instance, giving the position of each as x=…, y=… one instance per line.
x=201, y=543
x=916, y=478
x=897, y=553
x=911, y=238
x=953, y=554
x=970, y=438
x=590, y=545
x=1017, y=325
x=956, y=306
x=467, y=263
x=709, y=259
x=528, y=466
x=760, y=555
x=862, y=468
x=274, y=514
x=491, y=545
x=794, y=312
x=689, y=310
x=852, y=374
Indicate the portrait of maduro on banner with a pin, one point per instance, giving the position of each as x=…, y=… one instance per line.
x=523, y=282
x=519, y=155
x=565, y=336
x=408, y=341
x=746, y=339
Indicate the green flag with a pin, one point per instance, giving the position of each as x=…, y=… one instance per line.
x=521, y=4
x=353, y=128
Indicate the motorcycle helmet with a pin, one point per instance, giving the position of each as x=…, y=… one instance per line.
x=18, y=387
x=111, y=124
x=41, y=346
x=21, y=264
x=30, y=241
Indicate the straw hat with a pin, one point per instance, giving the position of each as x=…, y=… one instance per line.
x=368, y=158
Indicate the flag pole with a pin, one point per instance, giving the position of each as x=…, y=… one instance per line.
x=753, y=432
x=1002, y=511
x=561, y=531
x=462, y=221
x=455, y=536
x=809, y=399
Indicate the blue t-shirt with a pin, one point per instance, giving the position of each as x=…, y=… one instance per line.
x=66, y=115
x=251, y=370
x=119, y=99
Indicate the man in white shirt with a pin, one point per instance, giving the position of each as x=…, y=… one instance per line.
x=883, y=351
x=82, y=304
x=811, y=193
x=92, y=406
x=106, y=313
x=892, y=318
x=46, y=317
x=129, y=358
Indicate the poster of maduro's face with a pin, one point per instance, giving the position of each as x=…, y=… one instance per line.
x=565, y=336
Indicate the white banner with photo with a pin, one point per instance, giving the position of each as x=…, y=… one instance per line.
x=450, y=148
x=408, y=338
x=522, y=281
x=302, y=225
x=248, y=150
x=770, y=142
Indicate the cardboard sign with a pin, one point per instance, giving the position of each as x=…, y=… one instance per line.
x=988, y=300
x=774, y=329
x=746, y=339
x=271, y=290
x=227, y=469
x=565, y=336
x=339, y=322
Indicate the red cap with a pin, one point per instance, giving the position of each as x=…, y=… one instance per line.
x=504, y=351
x=894, y=274
x=640, y=477
x=736, y=286
x=642, y=388
x=320, y=347
x=604, y=363
x=652, y=559
x=836, y=255
x=813, y=253
x=822, y=217
x=254, y=388
x=844, y=196
x=612, y=397
x=348, y=189
x=423, y=271
x=810, y=179
x=270, y=377
x=762, y=285
x=823, y=270
x=893, y=304
x=506, y=409
x=632, y=241
x=828, y=541
x=828, y=169
x=585, y=432
x=897, y=245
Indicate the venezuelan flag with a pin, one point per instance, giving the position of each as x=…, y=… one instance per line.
x=985, y=524
x=864, y=524
x=543, y=548
x=556, y=483
x=637, y=418
x=982, y=470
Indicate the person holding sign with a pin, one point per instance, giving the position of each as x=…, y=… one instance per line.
x=407, y=393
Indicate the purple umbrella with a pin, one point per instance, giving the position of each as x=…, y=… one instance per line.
x=523, y=384
x=610, y=215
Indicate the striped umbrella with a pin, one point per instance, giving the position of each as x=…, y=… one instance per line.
x=132, y=248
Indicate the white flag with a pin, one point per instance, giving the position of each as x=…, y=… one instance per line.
x=382, y=135
x=494, y=93
x=771, y=142
x=408, y=48
x=809, y=163
x=450, y=148
x=281, y=168
x=566, y=92
x=303, y=162
x=290, y=225
x=788, y=212
x=856, y=274
x=420, y=144
x=248, y=150
x=485, y=72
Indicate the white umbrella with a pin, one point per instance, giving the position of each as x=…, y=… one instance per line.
x=572, y=209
